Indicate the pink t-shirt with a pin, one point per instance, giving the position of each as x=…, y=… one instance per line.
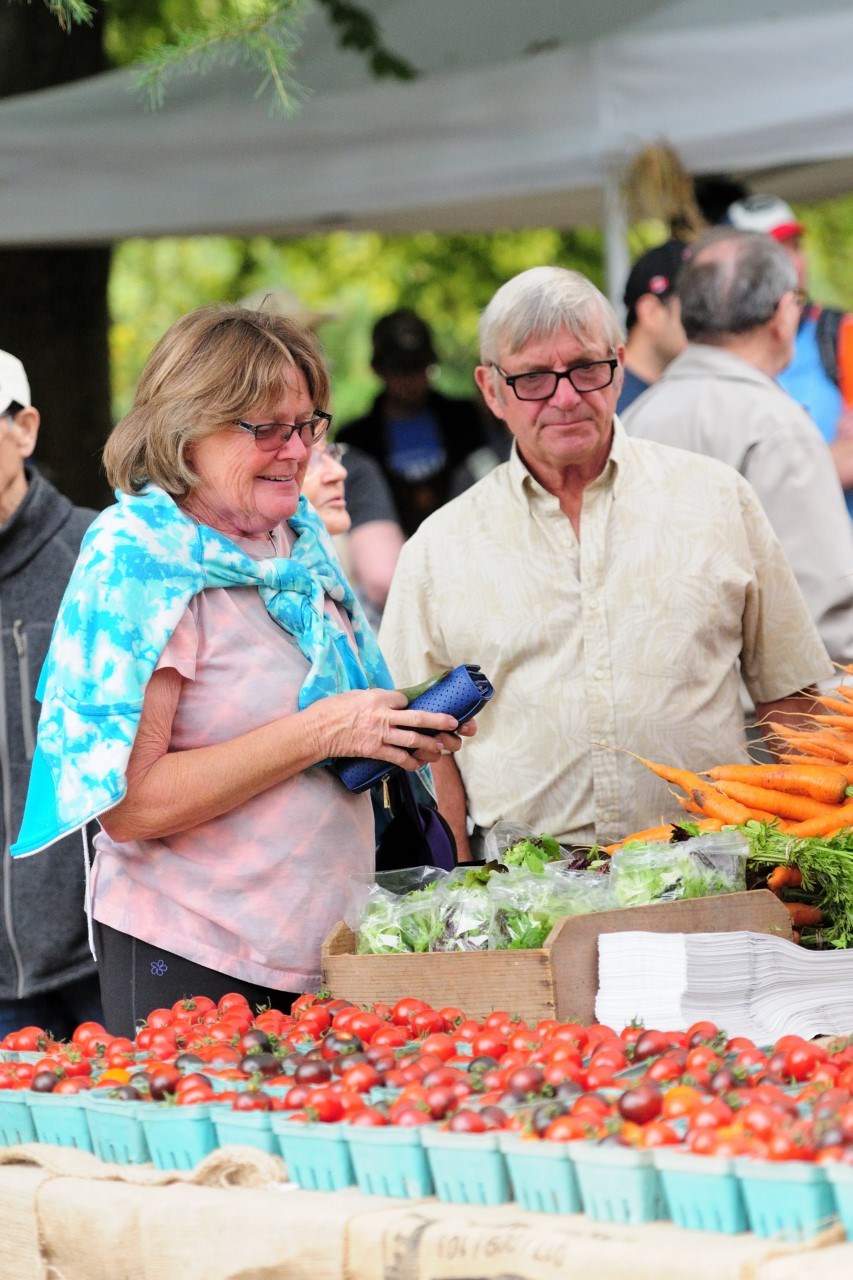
x=253, y=892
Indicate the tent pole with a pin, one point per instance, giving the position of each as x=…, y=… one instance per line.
x=617, y=260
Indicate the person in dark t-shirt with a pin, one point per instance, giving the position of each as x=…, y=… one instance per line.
x=418, y=436
x=653, y=319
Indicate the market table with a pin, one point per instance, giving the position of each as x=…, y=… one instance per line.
x=66, y=1214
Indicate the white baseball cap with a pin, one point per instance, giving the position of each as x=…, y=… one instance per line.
x=13, y=382
x=765, y=213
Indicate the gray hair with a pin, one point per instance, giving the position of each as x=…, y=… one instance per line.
x=732, y=283
x=540, y=302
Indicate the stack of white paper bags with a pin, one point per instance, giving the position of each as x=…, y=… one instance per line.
x=750, y=984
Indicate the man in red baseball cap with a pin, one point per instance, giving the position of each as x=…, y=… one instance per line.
x=820, y=376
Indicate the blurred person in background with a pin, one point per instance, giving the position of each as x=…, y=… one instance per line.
x=350, y=494
x=47, y=973
x=740, y=307
x=419, y=437
x=820, y=375
x=655, y=335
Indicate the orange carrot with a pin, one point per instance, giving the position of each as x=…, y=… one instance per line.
x=678, y=777
x=844, y=723
x=784, y=877
x=819, y=782
x=841, y=705
x=837, y=766
x=715, y=805
x=784, y=805
x=650, y=833
x=803, y=914
x=688, y=805
x=824, y=743
x=828, y=825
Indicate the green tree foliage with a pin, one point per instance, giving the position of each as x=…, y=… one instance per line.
x=353, y=278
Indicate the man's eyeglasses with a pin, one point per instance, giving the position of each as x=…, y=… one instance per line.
x=542, y=384
x=325, y=453
x=270, y=436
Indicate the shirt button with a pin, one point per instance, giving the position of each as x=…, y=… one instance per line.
x=593, y=604
x=599, y=674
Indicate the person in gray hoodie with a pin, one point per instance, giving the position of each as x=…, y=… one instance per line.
x=47, y=974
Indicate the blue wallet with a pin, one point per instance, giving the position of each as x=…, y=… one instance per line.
x=461, y=693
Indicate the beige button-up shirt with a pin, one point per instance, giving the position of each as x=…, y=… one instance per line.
x=715, y=403
x=630, y=637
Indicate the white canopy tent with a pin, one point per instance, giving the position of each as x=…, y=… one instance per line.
x=524, y=113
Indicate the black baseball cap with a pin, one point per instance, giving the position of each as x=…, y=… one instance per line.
x=402, y=342
x=656, y=272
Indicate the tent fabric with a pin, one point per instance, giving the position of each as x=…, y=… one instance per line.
x=522, y=115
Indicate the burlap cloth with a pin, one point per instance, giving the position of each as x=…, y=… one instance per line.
x=65, y=1215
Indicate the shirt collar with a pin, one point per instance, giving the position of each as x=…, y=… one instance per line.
x=531, y=491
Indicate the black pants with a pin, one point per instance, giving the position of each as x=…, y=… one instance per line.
x=137, y=977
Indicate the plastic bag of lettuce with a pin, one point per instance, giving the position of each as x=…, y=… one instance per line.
x=656, y=871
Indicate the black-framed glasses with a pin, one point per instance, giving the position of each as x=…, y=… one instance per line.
x=541, y=385
x=270, y=436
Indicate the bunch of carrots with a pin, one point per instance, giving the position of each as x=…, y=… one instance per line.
x=802, y=798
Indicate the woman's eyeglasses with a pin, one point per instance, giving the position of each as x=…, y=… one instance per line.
x=324, y=453
x=270, y=436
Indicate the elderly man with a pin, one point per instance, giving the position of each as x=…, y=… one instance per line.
x=610, y=588
x=740, y=309
x=820, y=376
x=47, y=976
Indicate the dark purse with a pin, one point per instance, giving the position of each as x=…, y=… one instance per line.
x=410, y=830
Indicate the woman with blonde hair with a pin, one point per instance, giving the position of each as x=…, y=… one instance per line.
x=209, y=658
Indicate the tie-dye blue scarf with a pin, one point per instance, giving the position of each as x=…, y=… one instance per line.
x=140, y=564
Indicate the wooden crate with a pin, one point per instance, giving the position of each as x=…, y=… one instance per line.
x=558, y=980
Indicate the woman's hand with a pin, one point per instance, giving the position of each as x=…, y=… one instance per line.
x=376, y=724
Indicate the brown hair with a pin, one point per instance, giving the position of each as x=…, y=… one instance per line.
x=215, y=365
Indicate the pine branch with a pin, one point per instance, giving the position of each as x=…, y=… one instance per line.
x=67, y=12
x=260, y=33
x=264, y=38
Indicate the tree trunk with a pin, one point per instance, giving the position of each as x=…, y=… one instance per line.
x=54, y=310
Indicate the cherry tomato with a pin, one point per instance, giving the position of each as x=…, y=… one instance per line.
x=403, y=1010
x=369, y=1116
x=325, y=1105
x=488, y=1044
x=361, y=1077
x=426, y=1022
x=467, y=1121
x=641, y=1104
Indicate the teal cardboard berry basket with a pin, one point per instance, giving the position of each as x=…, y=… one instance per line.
x=16, y=1121
x=701, y=1192
x=389, y=1161
x=178, y=1137
x=61, y=1119
x=618, y=1184
x=840, y=1178
x=317, y=1155
x=244, y=1128
x=542, y=1175
x=115, y=1125
x=788, y=1199
x=467, y=1168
